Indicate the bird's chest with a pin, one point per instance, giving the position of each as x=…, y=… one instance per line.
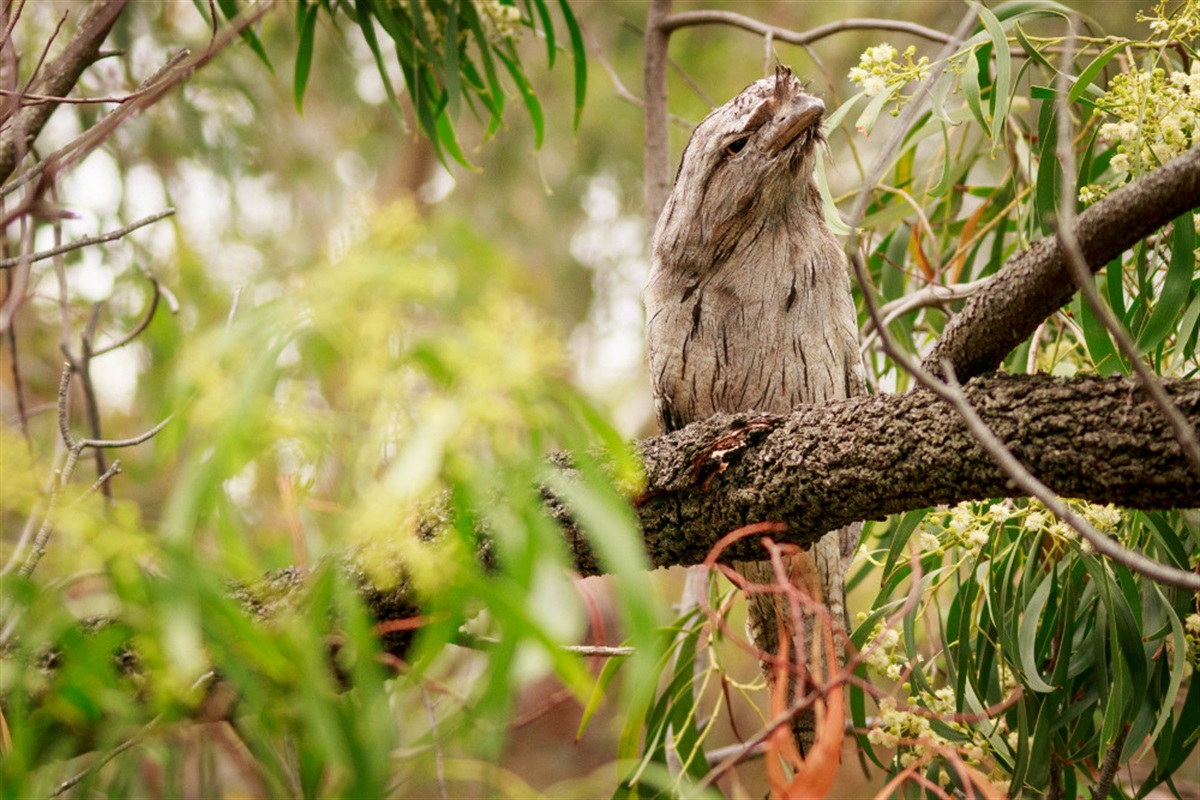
x=759, y=341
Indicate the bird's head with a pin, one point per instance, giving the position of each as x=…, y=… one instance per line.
x=750, y=162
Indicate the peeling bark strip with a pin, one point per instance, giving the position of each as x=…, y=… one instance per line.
x=819, y=468
x=1036, y=282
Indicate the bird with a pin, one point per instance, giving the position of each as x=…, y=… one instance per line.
x=749, y=306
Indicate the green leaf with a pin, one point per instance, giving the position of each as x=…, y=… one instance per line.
x=527, y=94
x=547, y=30
x=870, y=115
x=1188, y=327
x=230, y=9
x=451, y=57
x=1030, y=49
x=598, y=693
x=833, y=217
x=908, y=523
x=1103, y=352
x=1176, y=285
x=495, y=93
x=612, y=531
x=1000, y=97
x=971, y=88
x=580, y=56
x=416, y=14
x=1026, y=635
x=1049, y=171
x=1178, y=665
x=304, y=53
x=839, y=114
x=1084, y=82
x=400, y=31
x=945, y=182
x=941, y=90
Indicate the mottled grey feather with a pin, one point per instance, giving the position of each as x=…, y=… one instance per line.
x=748, y=305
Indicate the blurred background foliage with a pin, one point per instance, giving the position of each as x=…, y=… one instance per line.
x=358, y=318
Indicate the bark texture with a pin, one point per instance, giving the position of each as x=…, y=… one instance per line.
x=1036, y=282
x=820, y=467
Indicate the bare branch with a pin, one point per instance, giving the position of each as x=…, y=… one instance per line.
x=86, y=241
x=656, y=156
x=58, y=78
x=935, y=294
x=38, y=168
x=130, y=442
x=113, y=470
x=685, y=19
x=142, y=324
x=64, y=395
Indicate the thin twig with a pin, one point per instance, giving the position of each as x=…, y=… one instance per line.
x=85, y=241
x=685, y=19
x=90, y=401
x=622, y=91
x=935, y=294
x=1065, y=230
x=37, y=169
x=47, y=98
x=18, y=382
x=113, y=470
x=130, y=442
x=64, y=391
x=142, y=324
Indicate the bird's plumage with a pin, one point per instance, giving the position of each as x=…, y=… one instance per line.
x=748, y=304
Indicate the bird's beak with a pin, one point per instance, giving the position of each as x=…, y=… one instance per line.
x=801, y=113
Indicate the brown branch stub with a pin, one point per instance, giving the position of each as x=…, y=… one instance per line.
x=1037, y=282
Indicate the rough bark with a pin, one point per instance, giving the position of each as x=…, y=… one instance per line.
x=821, y=467
x=1035, y=283
x=57, y=79
x=818, y=468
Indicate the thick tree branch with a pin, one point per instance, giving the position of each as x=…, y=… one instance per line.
x=822, y=467
x=1037, y=282
x=58, y=79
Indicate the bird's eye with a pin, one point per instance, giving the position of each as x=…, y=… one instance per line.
x=735, y=147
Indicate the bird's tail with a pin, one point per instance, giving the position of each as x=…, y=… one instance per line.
x=820, y=573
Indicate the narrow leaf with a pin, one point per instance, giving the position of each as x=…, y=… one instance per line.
x=527, y=94
x=1027, y=633
x=304, y=54
x=1176, y=285
x=1000, y=98
x=580, y=57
